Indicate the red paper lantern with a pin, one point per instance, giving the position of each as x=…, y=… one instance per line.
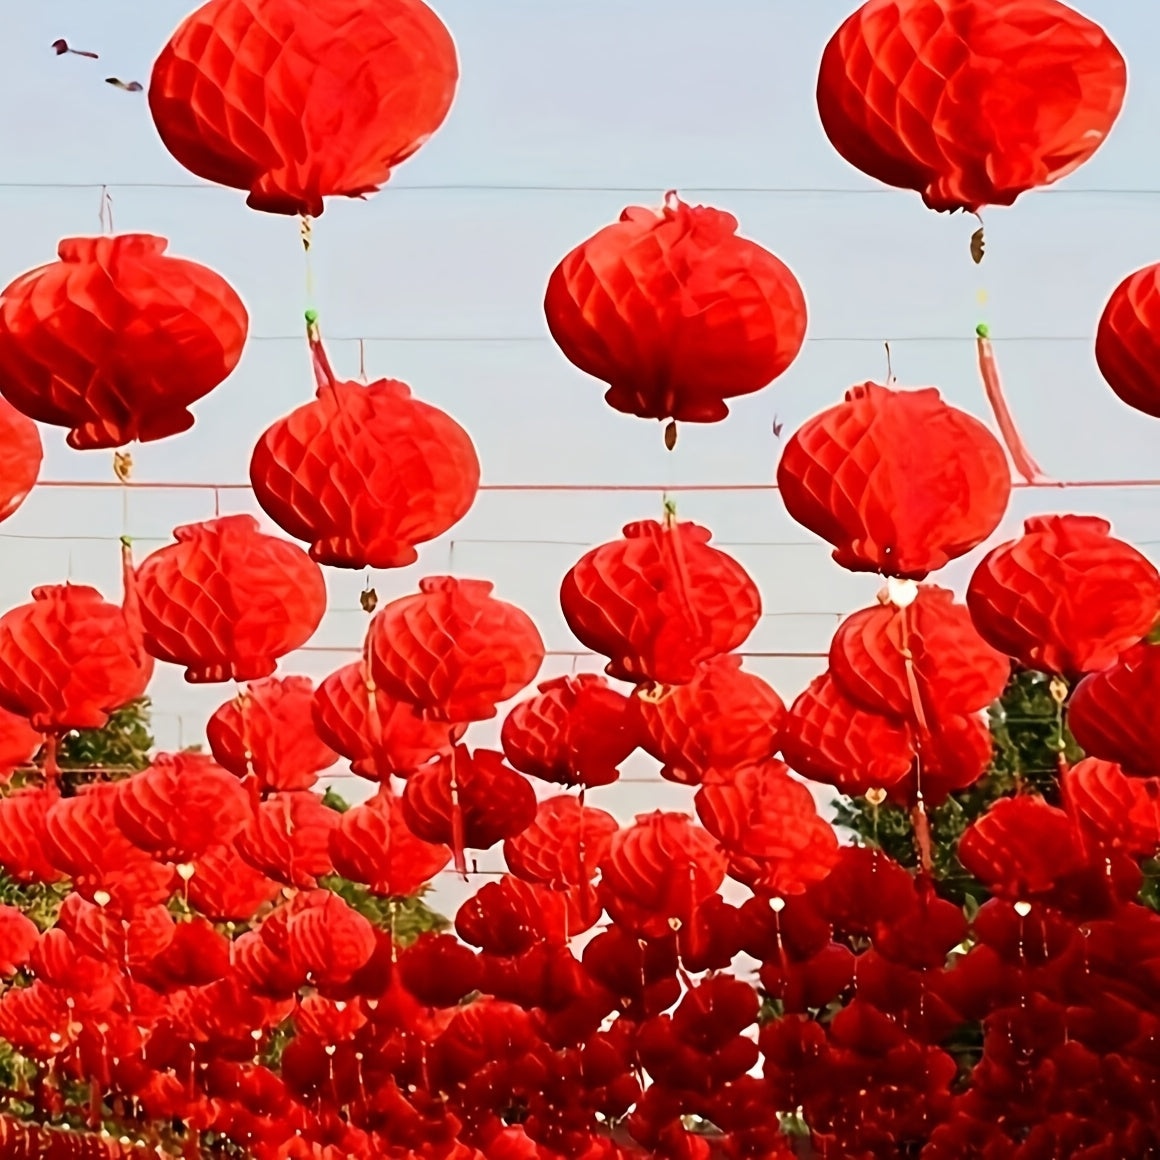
x=453, y=650
x=183, y=805
x=898, y=481
x=267, y=731
x=19, y=743
x=768, y=825
x=288, y=838
x=23, y=838
x=1112, y=810
x=117, y=339
x=227, y=601
x=1112, y=714
x=69, y=659
x=377, y=734
x=372, y=844
x=1128, y=340
x=659, y=869
x=675, y=312
x=1067, y=597
x=576, y=731
x=20, y=457
x=721, y=719
x=969, y=102
x=563, y=846
x=226, y=888
x=468, y=800
x=659, y=602
x=297, y=100
x=363, y=473
x=950, y=668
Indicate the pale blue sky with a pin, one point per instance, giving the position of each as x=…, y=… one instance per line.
x=625, y=98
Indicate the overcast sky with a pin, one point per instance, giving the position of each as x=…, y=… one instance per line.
x=567, y=112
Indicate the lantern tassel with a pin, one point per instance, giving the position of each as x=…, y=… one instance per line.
x=130, y=601
x=323, y=372
x=993, y=386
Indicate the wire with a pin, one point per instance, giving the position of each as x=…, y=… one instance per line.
x=822, y=339
x=541, y=187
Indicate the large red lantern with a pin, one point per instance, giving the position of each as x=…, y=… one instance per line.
x=1128, y=340
x=117, y=339
x=916, y=653
x=377, y=734
x=453, y=650
x=267, y=731
x=288, y=838
x=297, y=100
x=1112, y=713
x=969, y=102
x=675, y=312
x=363, y=473
x=1066, y=597
x=227, y=601
x=659, y=602
x=898, y=481
x=69, y=659
x=564, y=846
x=575, y=731
x=20, y=457
x=724, y=717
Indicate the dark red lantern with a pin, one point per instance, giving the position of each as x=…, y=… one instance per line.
x=453, y=650
x=1067, y=597
x=969, y=102
x=20, y=457
x=724, y=717
x=1111, y=810
x=1112, y=714
x=575, y=731
x=1128, y=340
x=297, y=100
x=363, y=473
x=69, y=659
x=468, y=800
x=226, y=601
x=658, y=870
x=372, y=844
x=267, y=731
x=659, y=602
x=117, y=339
x=898, y=481
x=916, y=653
x=377, y=734
x=675, y=312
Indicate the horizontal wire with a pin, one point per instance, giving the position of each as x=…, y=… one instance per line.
x=545, y=187
x=580, y=653
x=824, y=339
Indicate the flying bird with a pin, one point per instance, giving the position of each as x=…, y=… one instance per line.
x=62, y=46
x=128, y=86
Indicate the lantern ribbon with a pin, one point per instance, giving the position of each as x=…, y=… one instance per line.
x=993, y=386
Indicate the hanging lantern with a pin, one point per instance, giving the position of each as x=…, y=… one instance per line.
x=363, y=473
x=453, y=650
x=297, y=100
x=898, y=481
x=267, y=731
x=923, y=658
x=116, y=339
x=377, y=734
x=576, y=731
x=563, y=846
x=226, y=601
x=659, y=602
x=288, y=838
x=372, y=844
x=1066, y=597
x=1128, y=340
x=724, y=717
x=23, y=840
x=969, y=102
x=468, y=800
x=20, y=457
x=675, y=312
x=19, y=743
x=69, y=659
x=1112, y=713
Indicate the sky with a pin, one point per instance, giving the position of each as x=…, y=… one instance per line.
x=568, y=111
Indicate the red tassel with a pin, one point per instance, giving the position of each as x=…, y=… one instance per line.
x=323, y=372
x=130, y=602
x=993, y=385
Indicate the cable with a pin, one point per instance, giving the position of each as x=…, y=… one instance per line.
x=823, y=339
x=541, y=187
